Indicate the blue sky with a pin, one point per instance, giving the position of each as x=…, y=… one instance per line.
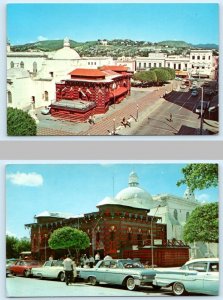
x=191, y=22
x=77, y=188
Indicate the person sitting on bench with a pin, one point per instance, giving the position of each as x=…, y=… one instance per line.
x=125, y=123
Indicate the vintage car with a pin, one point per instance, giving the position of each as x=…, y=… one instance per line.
x=126, y=272
x=52, y=269
x=196, y=276
x=23, y=267
x=9, y=263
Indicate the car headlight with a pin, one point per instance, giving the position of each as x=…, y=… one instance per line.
x=147, y=277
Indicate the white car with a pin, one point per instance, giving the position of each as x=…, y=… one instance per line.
x=50, y=269
x=196, y=276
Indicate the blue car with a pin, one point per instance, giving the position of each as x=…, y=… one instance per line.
x=196, y=276
x=125, y=272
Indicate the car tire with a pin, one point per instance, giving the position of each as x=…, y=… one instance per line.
x=93, y=281
x=156, y=287
x=61, y=277
x=178, y=289
x=130, y=284
x=27, y=273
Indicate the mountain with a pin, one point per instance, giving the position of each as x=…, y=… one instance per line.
x=113, y=48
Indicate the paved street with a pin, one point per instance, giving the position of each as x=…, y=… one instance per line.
x=148, y=113
x=32, y=287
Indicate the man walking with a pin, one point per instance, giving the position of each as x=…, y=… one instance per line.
x=68, y=269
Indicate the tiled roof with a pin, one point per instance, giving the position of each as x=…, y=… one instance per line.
x=87, y=72
x=114, y=68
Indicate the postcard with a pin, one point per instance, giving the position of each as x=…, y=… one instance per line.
x=99, y=69
x=112, y=229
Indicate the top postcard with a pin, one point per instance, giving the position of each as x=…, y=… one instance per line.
x=112, y=69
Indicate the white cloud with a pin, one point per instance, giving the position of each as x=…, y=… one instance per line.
x=42, y=38
x=25, y=179
x=203, y=198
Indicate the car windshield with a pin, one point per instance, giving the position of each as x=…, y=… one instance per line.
x=29, y=263
x=132, y=264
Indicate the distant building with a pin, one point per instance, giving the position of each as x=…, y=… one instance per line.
x=200, y=63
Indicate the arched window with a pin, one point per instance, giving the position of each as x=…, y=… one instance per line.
x=187, y=216
x=175, y=214
x=46, y=96
x=34, y=67
x=12, y=64
x=9, y=97
x=22, y=65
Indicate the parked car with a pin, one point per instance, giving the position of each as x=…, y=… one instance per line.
x=126, y=272
x=205, y=106
x=9, y=263
x=52, y=269
x=194, y=93
x=23, y=267
x=195, y=276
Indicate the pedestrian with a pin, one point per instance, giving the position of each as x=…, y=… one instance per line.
x=171, y=117
x=51, y=258
x=91, y=261
x=97, y=258
x=82, y=260
x=107, y=257
x=68, y=265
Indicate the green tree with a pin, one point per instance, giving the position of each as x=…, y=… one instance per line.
x=11, y=251
x=202, y=224
x=200, y=176
x=69, y=238
x=145, y=76
x=15, y=246
x=162, y=75
x=20, y=123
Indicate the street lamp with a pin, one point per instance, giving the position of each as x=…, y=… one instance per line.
x=151, y=230
x=202, y=105
x=93, y=235
x=45, y=235
x=114, y=126
x=137, y=112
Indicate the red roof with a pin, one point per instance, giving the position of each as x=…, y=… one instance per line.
x=114, y=68
x=118, y=92
x=87, y=73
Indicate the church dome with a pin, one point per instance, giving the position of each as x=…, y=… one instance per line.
x=66, y=52
x=133, y=195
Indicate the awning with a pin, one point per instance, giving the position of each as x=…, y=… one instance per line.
x=118, y=92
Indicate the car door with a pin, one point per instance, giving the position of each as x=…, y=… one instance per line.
x=46, y=270
x=101, y=272
x=113, y=273
x=211, y=279
x=195, y=283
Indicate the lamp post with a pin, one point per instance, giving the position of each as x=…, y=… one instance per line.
x=137, y=112
x=93, y=235
x=151, y=230
x=202, y=105
x=45, y=235
x=114, y=127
